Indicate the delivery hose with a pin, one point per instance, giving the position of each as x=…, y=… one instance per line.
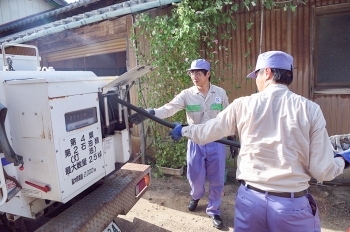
x=165, y=123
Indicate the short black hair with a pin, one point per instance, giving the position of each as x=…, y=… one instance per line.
x=282, y=76
x=204, y=71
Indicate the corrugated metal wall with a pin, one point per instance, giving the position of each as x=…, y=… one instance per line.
x=282, y=30
x=336, y=109
x=293, y=33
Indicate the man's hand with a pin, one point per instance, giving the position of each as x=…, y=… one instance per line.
x=176, y=132
x=233, y=149
x=137, y=118
x=346, y=156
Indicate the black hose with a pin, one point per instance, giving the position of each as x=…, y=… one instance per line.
x=167, y=124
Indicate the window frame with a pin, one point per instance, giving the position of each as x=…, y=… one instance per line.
x=335, y=87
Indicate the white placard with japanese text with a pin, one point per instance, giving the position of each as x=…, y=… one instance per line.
x=80, y=151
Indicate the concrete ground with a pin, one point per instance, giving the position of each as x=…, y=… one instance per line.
x=164, y=208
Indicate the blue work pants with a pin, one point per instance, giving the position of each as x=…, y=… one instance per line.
x=256, y=211
x=206, y=162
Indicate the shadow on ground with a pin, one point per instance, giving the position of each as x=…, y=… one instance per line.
x=164, y=207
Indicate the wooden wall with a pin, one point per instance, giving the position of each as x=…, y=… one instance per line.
x=90, y=34
x=74, y=38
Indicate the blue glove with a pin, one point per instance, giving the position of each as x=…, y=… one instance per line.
x=176, y=132
x=346, y=156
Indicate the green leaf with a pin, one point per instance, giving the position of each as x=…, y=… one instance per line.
x=249, y=25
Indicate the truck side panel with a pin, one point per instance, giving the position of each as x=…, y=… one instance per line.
x=95, y=211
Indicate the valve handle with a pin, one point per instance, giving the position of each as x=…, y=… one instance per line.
x=45, y=189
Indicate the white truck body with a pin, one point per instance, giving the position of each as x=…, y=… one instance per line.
x=54, y=123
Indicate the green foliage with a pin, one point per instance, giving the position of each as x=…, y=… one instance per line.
x=170, y=154
x=170, y=42
x=270, y=4
x=175, y=40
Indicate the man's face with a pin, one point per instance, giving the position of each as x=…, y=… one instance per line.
x=198, y=77
x=260, y=79
x=264, y=77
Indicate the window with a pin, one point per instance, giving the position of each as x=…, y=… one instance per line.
x=332, y=47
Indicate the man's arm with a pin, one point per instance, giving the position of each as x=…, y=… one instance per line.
x=214, y=129
x=346, y=157
x=171, y=108
x=233, y=149
x=322, y=164
x=167, y=110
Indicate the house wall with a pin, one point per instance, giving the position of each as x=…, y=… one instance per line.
x=292, y=32
x=86, y=35
x=11, y=10
x=278, y=33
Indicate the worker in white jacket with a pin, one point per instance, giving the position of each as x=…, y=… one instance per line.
x=284, y=142
x=202, y=102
